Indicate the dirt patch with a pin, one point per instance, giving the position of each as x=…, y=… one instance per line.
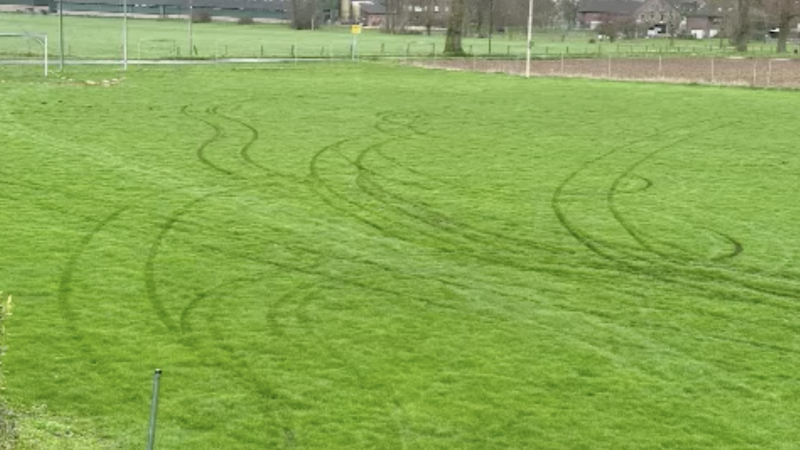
x=757, y=72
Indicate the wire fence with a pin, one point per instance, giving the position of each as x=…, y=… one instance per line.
x=739, y=71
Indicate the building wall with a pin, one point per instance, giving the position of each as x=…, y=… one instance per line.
x=657, y=11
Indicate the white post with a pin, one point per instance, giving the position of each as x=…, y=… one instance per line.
x=125, y=34
x=191, y=46
x=660, y=68
x=769, y=73
x=46, y=61
x=61, y=34
x=530, y=37
x=712, y=70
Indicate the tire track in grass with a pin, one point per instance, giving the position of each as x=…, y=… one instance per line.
x=611, y=194
x=454, y=243
x=227, y=358
x=151, y=287
x=483, y=241
x=424, y=211
x=217, y=135
x=676, y=272
x=318, y=184
x=737, y=247
x=449, y=244
x=71, y=266
x=412, y=132
x=301, y=312
x=435, y=219
x=556, y=202
x=244, y=152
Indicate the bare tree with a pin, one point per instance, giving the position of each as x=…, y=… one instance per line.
x=455, y=28
x=303, y=13
x=568, y=9
x=396, y=16
x=741, y=26
x=782, y=13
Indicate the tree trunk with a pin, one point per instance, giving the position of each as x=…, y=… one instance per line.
x=742, y=25
x=455, y=29
x=783, y=32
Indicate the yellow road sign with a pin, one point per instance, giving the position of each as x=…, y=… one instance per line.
x=355, y=29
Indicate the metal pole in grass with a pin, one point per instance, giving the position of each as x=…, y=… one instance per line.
x=46, y=60
x=125, y=34
x=191, y=8
x=530, y=36
x=151, y=435
x=61, y=34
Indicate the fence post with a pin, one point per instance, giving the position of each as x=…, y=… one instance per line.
x=562, y=64
x=712, y=70
x=755, y=73
x=769, y=73
x=262, y=50
x=660, y=68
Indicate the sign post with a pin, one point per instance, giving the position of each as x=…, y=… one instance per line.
x=355, y=30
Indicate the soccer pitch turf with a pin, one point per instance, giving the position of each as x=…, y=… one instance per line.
x=372, y=256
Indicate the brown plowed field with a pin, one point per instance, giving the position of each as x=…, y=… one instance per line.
x=784, y=73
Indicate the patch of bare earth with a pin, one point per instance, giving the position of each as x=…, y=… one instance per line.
x=757, y=72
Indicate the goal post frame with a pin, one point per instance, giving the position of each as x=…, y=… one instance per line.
x=41, y=38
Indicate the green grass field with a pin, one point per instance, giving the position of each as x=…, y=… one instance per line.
x=101, y=38
x=370, y=256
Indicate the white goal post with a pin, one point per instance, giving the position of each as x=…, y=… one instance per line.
x=41, y=38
